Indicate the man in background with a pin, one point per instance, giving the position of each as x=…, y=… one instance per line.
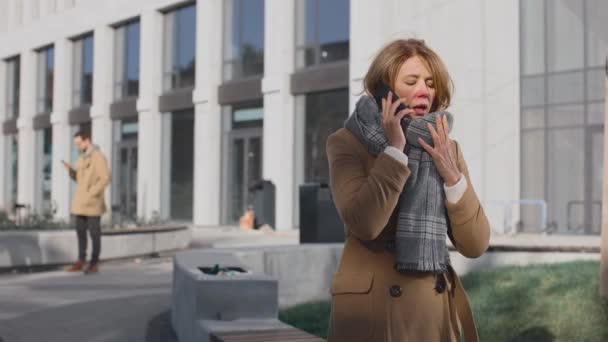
x=91, y=175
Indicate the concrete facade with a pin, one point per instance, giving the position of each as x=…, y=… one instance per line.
x=478, y=41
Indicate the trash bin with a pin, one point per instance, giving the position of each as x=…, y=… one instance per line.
x=263, y=201
x=319, y=219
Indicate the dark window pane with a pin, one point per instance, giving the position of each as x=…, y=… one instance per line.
x=311, y=24
x=47, y=151
x=14, y=167
x=182, y=165
x=185, y=45
x=50, y=74
x=87, y=70
x=132, y=42
x=238, y=186
x=252, y=37
x=325, y=113
x=334, y=30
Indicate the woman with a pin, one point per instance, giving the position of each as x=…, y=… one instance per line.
x=401, y=186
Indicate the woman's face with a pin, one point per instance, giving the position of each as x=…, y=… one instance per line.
x=415, y=83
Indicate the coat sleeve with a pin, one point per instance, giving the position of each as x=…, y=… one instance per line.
x=103, y=176
x=364, y=201
x=469, y=228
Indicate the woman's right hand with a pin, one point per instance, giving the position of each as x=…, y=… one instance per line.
x=391, y=121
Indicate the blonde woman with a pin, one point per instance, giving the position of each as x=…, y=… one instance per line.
x=401, y=186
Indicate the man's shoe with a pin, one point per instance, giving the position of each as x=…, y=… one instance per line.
x=78, y=266
x=92, y=268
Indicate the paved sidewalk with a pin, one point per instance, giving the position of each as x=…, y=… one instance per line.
x=124, y=302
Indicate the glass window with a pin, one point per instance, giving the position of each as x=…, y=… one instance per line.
x=566, y=87
x=180, y=45
x=12, y=147
x=565, y=34
x=325, y=113
x=566, y=178
x=83, y=71
x=563, y=51
x=533, y=90
x=127, y=45
x=12, y=87
x=46, y=74
x=597, y=32
x=533, y=176
x=244, y=38
x=322, y=31
x=532, y=39
x=45, y=150
x=182, y=165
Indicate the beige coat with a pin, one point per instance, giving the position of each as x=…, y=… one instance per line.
x=91, y=176
x=365, y=190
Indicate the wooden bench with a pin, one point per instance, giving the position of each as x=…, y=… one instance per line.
x=274, y=335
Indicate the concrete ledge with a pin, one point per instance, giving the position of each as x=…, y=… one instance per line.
x=35, y=248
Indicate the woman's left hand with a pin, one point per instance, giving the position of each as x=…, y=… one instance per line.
x=442, y=153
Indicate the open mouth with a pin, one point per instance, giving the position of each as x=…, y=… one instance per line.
x=421, y=109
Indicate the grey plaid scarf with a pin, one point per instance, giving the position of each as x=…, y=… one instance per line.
x=420, y=241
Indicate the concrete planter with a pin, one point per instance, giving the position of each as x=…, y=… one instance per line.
x=36, y=248
x=202, y=303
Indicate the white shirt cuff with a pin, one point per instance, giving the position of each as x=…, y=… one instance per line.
x=396, y=154
x=454, y=193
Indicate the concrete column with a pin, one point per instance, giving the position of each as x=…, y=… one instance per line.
x=101, y=124
x=604, y=243
x=27, y=107
x=207, y=114
x=62, y=138
x=149, y=137
x=279, y=137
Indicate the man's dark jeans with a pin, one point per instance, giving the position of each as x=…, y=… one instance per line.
x=92, y=224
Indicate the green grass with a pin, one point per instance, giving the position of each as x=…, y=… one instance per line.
x=534, y=303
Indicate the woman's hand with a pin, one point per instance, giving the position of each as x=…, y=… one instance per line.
x=391, y=121
x=442, y=153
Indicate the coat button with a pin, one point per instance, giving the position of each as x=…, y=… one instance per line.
x=395, y=291
x=440, y=285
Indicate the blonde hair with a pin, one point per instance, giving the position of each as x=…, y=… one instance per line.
x=386, y=64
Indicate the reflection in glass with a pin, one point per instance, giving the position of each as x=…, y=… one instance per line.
x=180, y=44
x=322, y=31
x=12, y=87
x=564, y=89
x=83, y=71
x=244, y=48
x=46, y=66
x=127, y=60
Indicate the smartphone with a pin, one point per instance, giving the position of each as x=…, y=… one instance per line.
x=381, y=92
